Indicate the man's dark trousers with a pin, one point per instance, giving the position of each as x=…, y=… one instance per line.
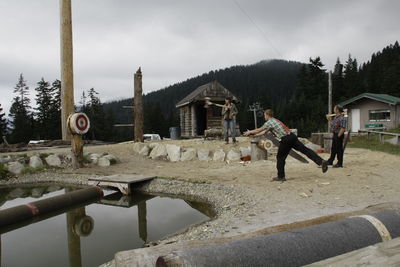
x=337, y=149
x=288, y=142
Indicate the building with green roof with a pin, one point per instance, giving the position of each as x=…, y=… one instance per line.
x=372, y=111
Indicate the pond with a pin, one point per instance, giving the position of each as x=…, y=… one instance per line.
x=117, y=223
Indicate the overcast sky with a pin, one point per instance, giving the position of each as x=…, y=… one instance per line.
x=176, y=40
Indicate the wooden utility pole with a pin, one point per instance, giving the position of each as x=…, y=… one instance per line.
x=329, y=98
x=67, y=78
x=138, y=107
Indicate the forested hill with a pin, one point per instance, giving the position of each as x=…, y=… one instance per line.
x=296, y=91
x=269, y=82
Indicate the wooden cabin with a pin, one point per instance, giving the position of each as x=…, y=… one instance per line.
x=195, y=117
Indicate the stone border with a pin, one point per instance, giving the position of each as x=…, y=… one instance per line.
x=175, y=153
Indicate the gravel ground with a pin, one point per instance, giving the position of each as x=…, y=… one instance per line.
x=242, y=195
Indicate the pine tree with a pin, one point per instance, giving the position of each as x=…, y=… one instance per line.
x=23, y=90
x=3, y=124
x=21, y=117
x=95, y=112
x=351, y=83
x=55, y=110
x=21, y=121
x=43, y=109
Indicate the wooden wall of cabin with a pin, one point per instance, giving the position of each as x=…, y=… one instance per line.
x=214, y=117
x=185, y=115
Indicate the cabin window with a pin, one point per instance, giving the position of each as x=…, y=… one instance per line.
x=379, y=115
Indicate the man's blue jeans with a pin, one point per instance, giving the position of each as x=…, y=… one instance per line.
x=229, y=125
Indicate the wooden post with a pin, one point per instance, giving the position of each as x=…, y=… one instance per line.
x=67, y=82
x=138, y=107
x=329, y=98
x=77, y=151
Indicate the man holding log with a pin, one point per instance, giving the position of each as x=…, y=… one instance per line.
x=338, y=127
x=288, y=140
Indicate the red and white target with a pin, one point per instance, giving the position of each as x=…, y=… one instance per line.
x=78, y=123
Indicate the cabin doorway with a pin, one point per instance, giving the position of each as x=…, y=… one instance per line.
x=201, y=119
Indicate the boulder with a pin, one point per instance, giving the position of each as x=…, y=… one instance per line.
x=189, y=154
x=203, y=154
x=5, y=159
x=174, y=152
x=15, y=167
x=37, y=192
x=53, y=188
x=219, y=155
x=144, y=151
x=17, y=193
x=103, y=162
x=233, y=155
x=313, y=146
x=53, y=160
x=35, y=162
x=138, y=146
x=94, y=158
x=159, y=152
x=153, y=145
x=245, y=151
x=113, y=159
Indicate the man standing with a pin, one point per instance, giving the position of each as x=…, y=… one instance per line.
x=288, y=141
x=228, y=113
x=338, y=127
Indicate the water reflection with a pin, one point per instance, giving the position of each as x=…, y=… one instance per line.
x=91, y=233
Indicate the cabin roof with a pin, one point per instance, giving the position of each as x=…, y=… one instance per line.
x=213, y=90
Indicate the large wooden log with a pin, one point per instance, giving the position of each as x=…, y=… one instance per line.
x=138, y=107
x=67, y=78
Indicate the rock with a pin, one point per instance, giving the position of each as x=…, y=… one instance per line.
x=203, y=154
x=233, y=155
x=53, y=160
x=245, y=151
x=313, y=146
x=103, y=162
x=159, y=152
x=189, y=154
x=94, y=158
x=113, y=159
x=144, y=151
x=5, y=159
x=174, y=152
x=35, y=162
x=17, y=193
x=53, y=188
x=37, y=192
x=137, y=147
x=219, y=155
x=153, y=145
x=15, y=167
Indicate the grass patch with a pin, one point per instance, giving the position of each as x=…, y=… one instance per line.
x=373, y=144
x=396, y=130
x=86, y=159
x=30, y=170
x=4, y=173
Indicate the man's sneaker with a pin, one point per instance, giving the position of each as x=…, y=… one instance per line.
x=337, y=166
x=330, y=163
x=279, y=179
x=324, y=166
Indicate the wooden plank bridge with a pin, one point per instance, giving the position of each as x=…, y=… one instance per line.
x=122, y=182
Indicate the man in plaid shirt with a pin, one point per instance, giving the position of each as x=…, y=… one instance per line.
x=338, y=127
x=288, y=141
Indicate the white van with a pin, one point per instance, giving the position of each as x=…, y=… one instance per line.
x=152, y=137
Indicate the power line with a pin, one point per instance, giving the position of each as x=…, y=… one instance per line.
x=263, y=33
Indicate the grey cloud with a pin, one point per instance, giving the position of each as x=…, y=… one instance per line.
x=175, y=40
